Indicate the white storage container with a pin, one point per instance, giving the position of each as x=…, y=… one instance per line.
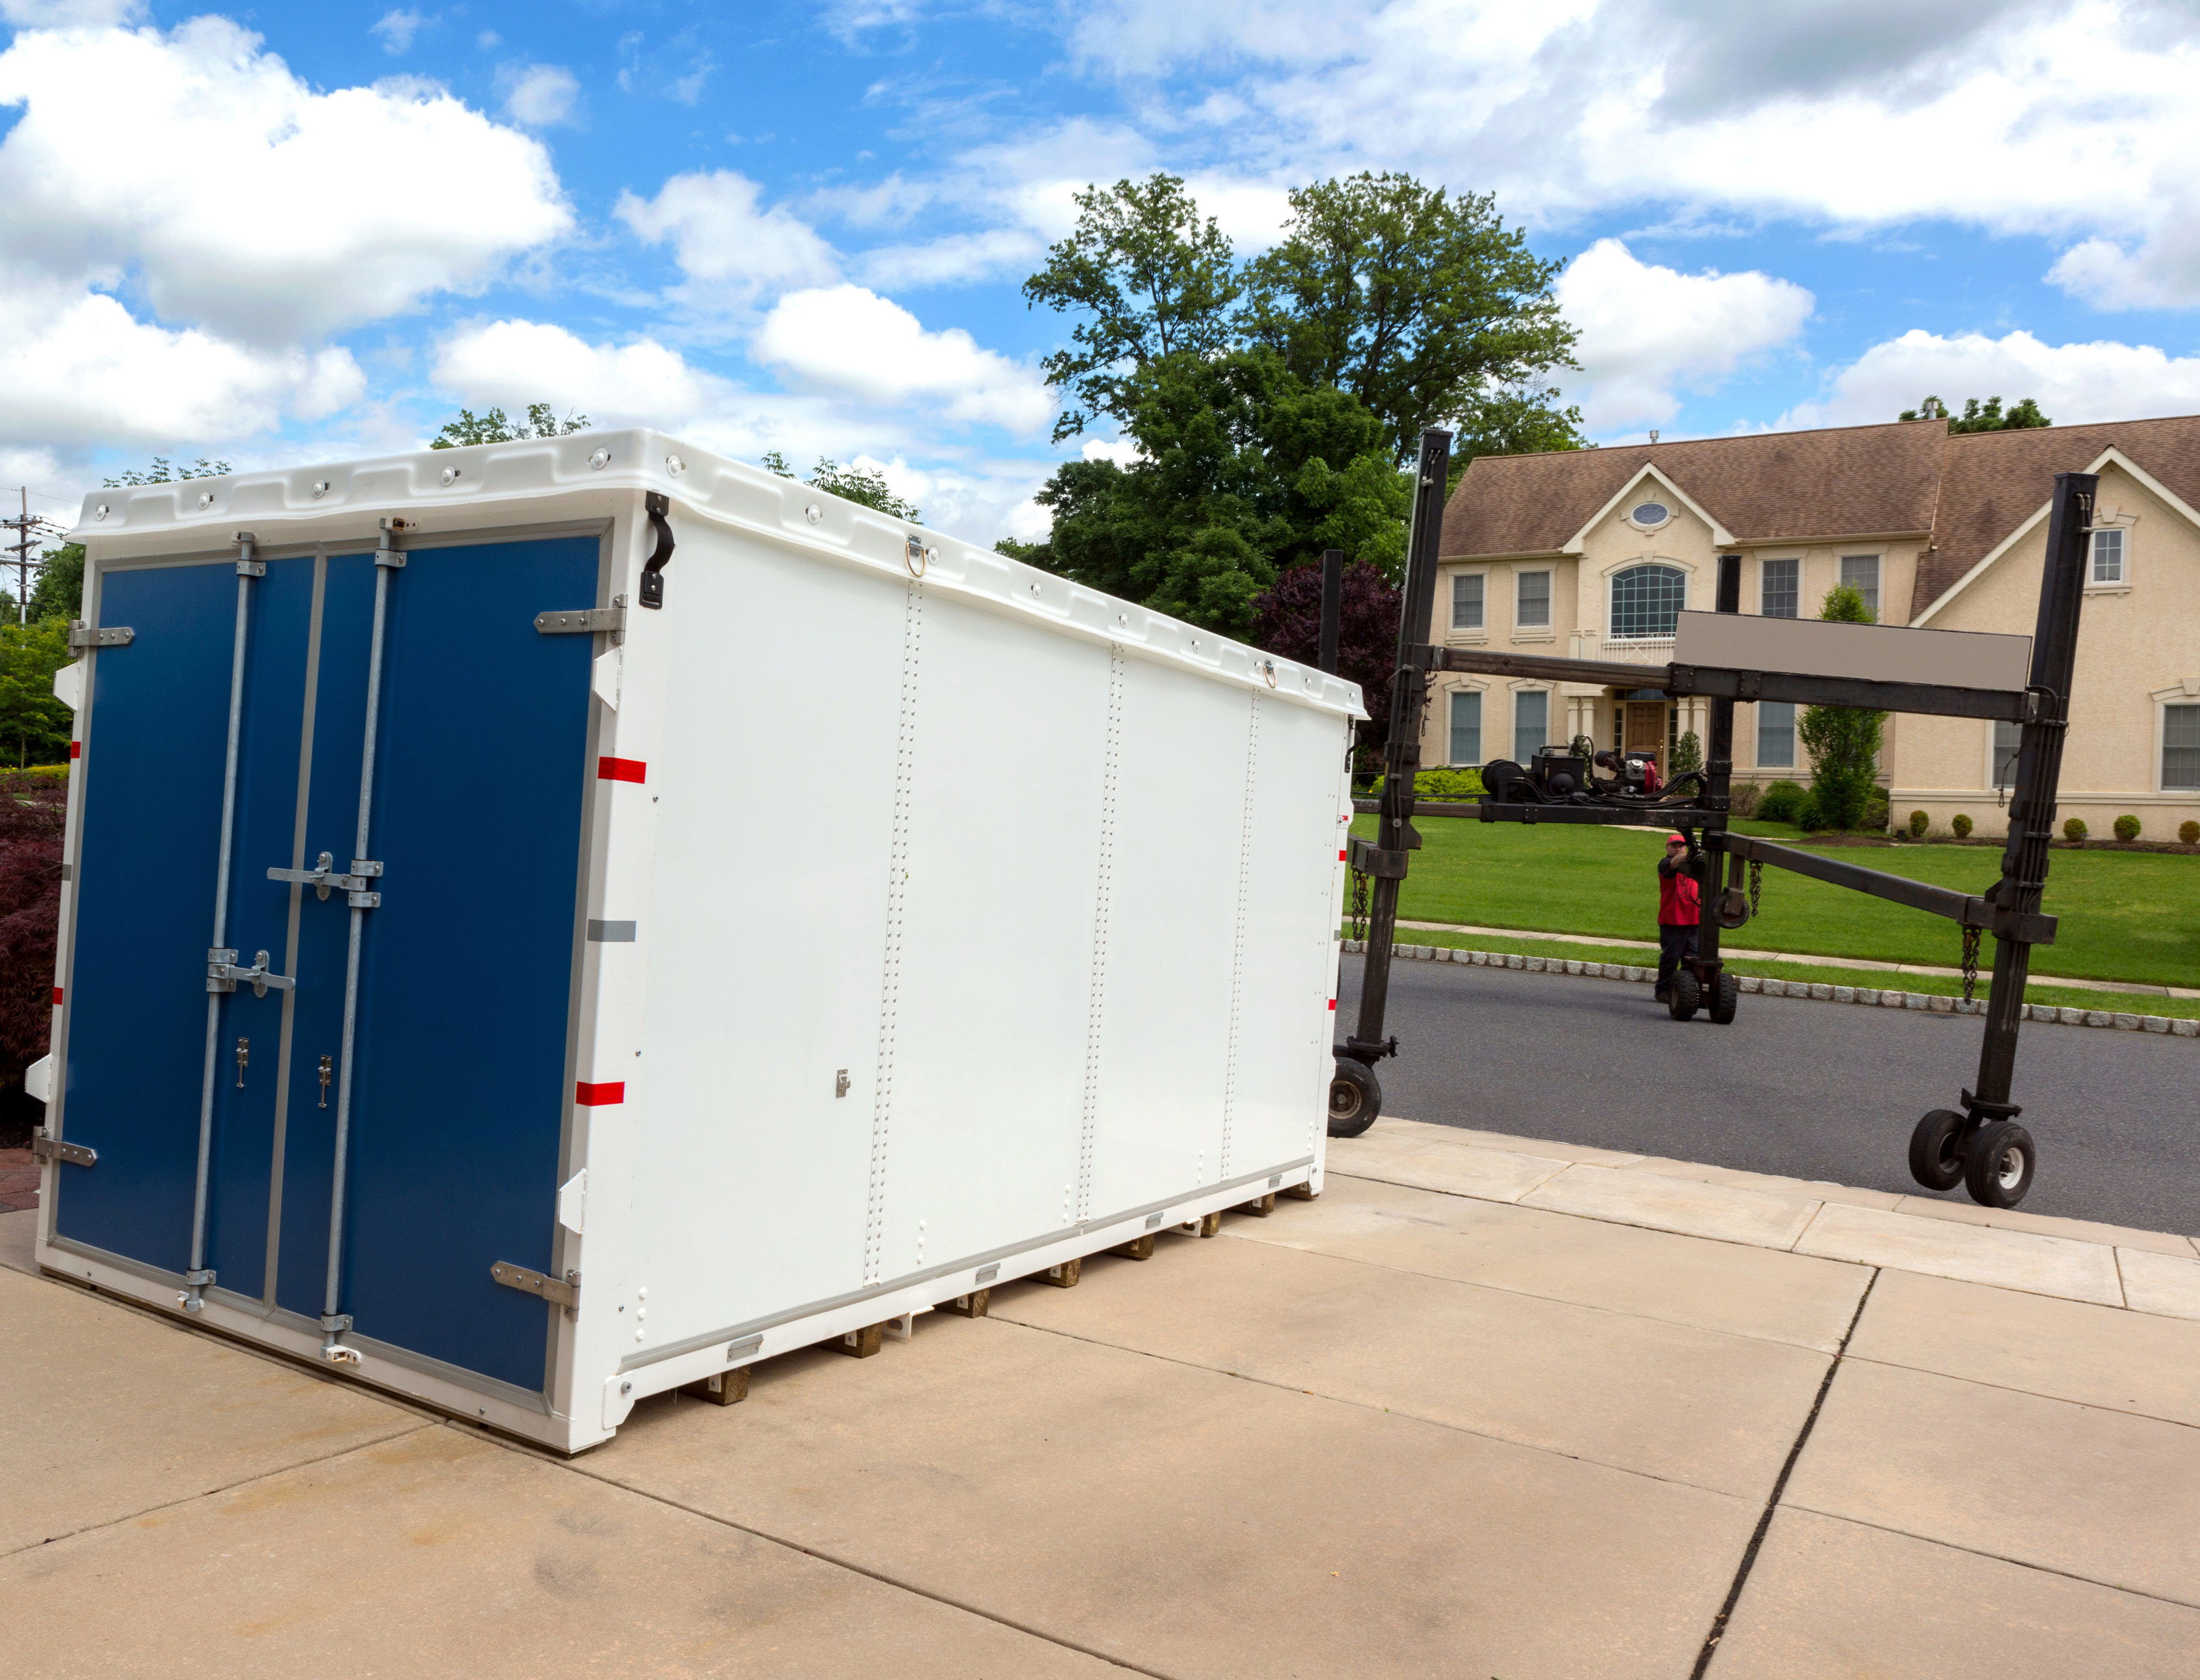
x=528, y=999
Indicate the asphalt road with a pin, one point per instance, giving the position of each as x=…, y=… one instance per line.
x=1812, y=1091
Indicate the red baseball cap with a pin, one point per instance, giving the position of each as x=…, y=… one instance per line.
x=1676, y=839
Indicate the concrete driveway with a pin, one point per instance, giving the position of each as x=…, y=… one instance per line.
x=1439, y=1422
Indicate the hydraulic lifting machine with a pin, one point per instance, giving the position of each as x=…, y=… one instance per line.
x=1724, y=657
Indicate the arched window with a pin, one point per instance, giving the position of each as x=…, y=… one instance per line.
x=1646, y=600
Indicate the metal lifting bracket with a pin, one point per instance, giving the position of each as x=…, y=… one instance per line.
x=581, y=621
x=222, y=975
x=81, y=635
x=47, y=1147
x=323, y=878
x=658, y=505
x=564, y=1292
x=1371, y=859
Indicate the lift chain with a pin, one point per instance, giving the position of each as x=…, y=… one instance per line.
x=1756, y=884
x=1359, y=905
x=1970, y=962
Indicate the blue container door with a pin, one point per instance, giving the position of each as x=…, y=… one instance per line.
x=461, y=1077
x=147, y=863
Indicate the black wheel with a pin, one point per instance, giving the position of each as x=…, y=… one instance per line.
x=1936, y=1148
x=1726, y=998
x=1355, y=1098
x=1998, y=1168
x=1686, y=996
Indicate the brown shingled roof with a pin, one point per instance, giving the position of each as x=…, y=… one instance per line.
x=1993, y=481
x=1843, y=482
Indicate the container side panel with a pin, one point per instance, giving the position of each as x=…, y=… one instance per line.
x=1281, y=1082
x=331, y=816
x=151, y=822
x=259, y=920
x=1165, y=991
x=1003, y=842
x=461, y=1089
x=766, y=936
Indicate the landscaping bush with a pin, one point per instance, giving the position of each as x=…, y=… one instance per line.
x=1744, y=795
x=1919, y=822
x=1448, y=784
x=1810, y=817
x=1781, y=803
x=1688, y=754
x=2126, y=827
x=2189, y=833
x=1961, y=824
x=1874, y=816
x=2074, y=830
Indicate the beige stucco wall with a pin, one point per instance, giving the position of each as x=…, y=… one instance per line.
x=2138, y=645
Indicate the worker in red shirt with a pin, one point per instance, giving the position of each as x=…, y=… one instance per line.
x=1678, y=912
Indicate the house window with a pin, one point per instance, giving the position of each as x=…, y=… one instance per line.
x=2180, y=747
x=1860, y=572
x=1531, y=601
x=1532, y=723
x=1466, y=600
x=1779, y=589
x=1646, y=602
x=1465, y=727
x=1650, y=514
x=2008, y=737
x=2108, y=556
x=1776, y=734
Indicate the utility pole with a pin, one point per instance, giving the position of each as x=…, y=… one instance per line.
x=28, y=528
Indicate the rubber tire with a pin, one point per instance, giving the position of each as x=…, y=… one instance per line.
x=1983, y=1164
x=1686, y=997
x=1937, y=1149
x=1726, y=999
x=1355, y=1098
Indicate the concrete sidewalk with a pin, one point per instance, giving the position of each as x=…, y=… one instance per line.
x=1484, y=1408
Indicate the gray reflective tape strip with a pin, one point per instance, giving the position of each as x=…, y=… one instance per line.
x=611, y=933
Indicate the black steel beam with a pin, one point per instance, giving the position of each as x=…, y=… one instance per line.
x=1971, y=909
x=1640, y=817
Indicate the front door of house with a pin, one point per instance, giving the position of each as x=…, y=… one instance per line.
x=1645, y=728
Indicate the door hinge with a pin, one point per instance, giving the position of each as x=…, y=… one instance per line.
x=223, y=974
x=581, y=621
x=81, y=635
x=565, y=1292
x=323, y=878
x=47, y=1147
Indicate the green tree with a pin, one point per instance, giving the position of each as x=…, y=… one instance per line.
x=494, y=427
x=865, y=485
x=1420, y=304
x=1843, y=742
x=1978, y=417
x=163, y=471
x=1152, y=277
x=58, y=592
x=34, y=726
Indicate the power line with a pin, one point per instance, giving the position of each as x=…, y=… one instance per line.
x=29, y=528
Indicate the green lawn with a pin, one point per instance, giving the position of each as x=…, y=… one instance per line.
x=2129, y=915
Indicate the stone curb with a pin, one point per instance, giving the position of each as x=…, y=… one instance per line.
x=1816, y=991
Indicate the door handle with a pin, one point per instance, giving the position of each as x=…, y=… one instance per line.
x=323, y=878
x=223, y=974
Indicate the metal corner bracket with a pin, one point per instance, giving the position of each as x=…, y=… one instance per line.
x=561, y=1291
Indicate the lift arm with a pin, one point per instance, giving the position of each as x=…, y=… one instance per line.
x=1971, y=909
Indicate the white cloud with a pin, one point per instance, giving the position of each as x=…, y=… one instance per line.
x=1649, y=332
x=850, y=339
x=82, y=372
x=2074, y=383
x=730, y=247
x=397, y=29
x=540, y=96
x=70, y=13
x=197, y=167
x=513, y=363
x=956, y=259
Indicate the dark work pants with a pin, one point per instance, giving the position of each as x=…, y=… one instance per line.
x=1673, y=943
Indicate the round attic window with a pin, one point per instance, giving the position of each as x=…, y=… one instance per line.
x=1649, y=513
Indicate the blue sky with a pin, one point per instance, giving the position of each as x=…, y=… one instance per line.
x=286, y=233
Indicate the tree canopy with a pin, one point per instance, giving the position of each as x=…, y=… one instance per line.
x=163, y=471
x=865, y=485
x=1977, y=416
x=494, y=427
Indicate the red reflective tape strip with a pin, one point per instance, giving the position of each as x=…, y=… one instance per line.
x=1340, y=857
x=76, y=749
x=621, y=769
x=57, y=997
x=1332, y=1005
x=599, y=1096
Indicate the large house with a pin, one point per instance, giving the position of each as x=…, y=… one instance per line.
x=1589, y=554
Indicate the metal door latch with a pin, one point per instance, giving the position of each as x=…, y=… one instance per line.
x=581, y=621
x=81, y=635
x=47, y=1147
x=324, y=879
x=565, y=1292
x=223, y=975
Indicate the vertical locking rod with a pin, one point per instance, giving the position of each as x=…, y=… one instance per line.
x=197, y=1277
x=387, y=560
